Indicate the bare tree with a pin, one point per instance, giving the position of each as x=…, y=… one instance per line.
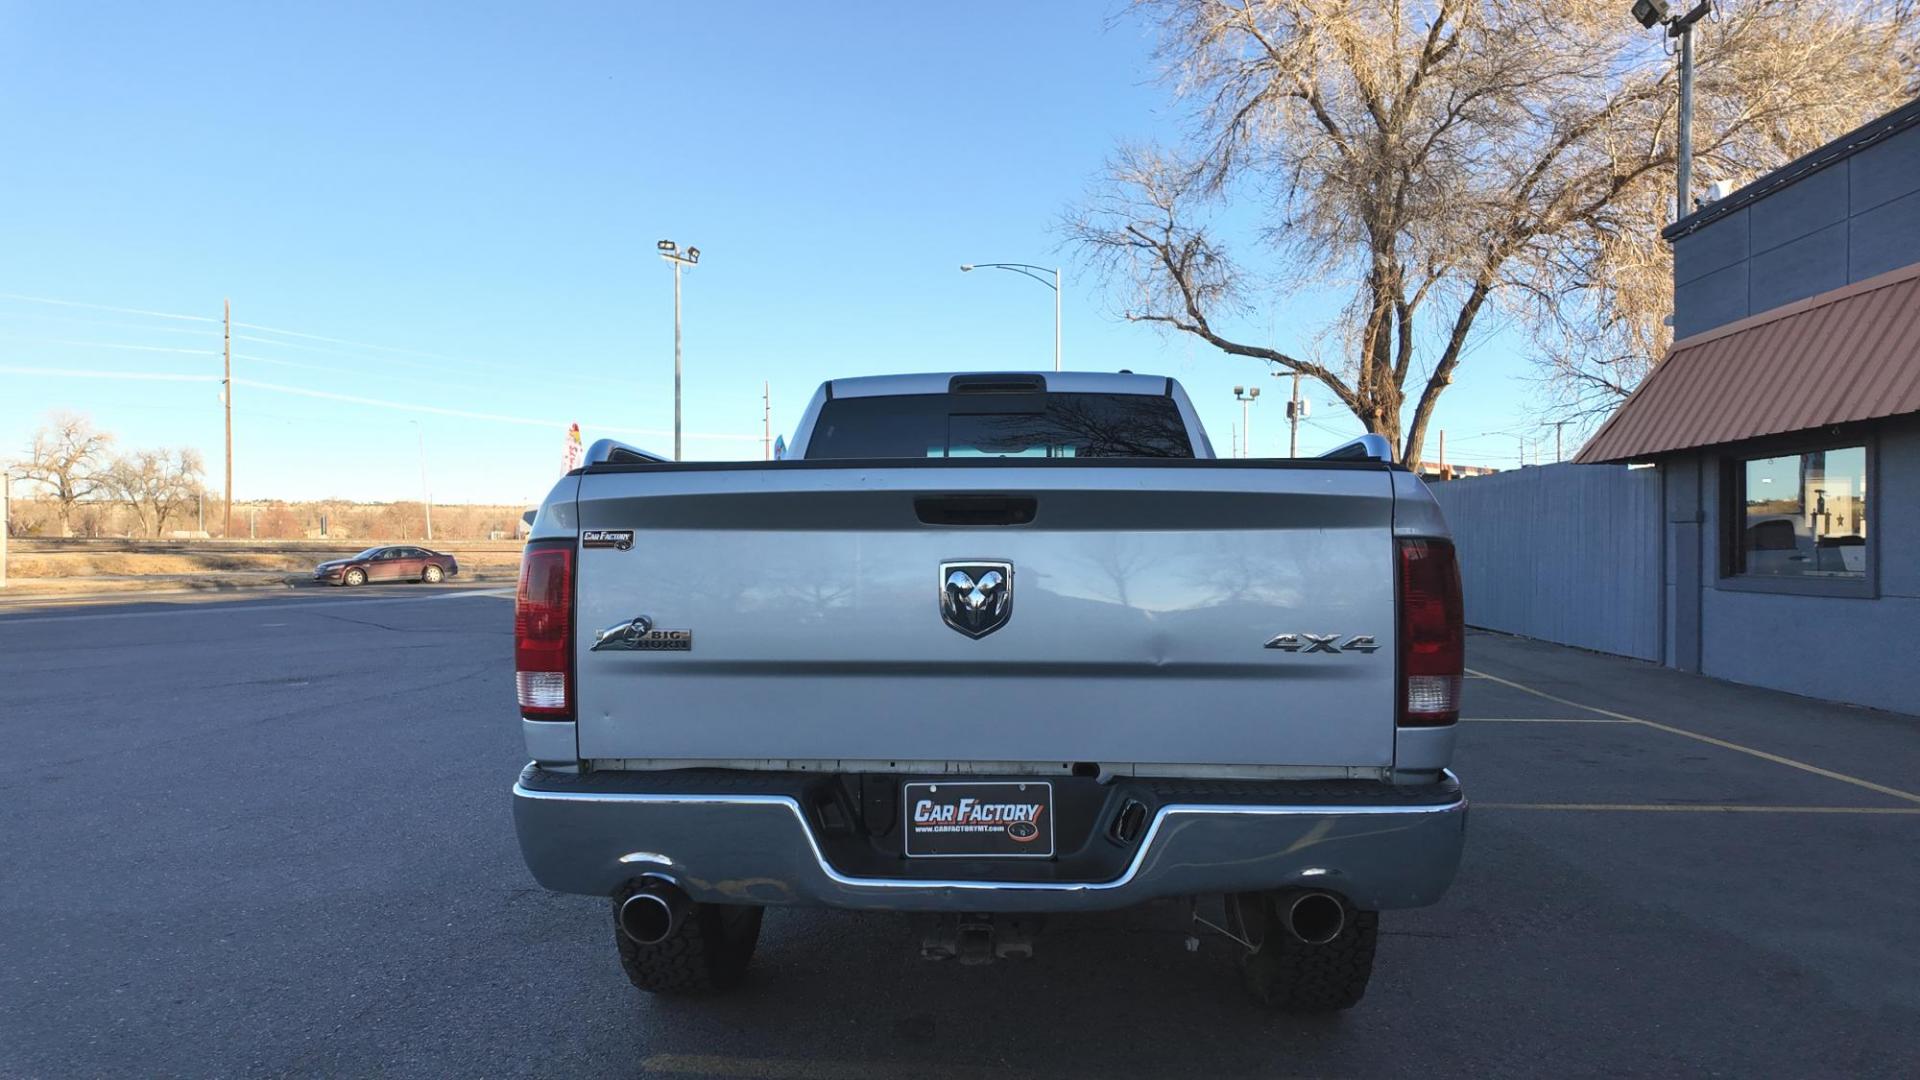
x=69, y=459
x=1436, y=161
x=157, y=484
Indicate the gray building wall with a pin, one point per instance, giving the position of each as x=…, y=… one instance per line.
x=1861, y=650
x=1848, y=221
x=1566, y=553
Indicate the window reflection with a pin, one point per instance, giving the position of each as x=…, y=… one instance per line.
x=1805, y=515
x=1055, y=425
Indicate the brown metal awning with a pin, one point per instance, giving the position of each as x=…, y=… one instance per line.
x=1849, y=354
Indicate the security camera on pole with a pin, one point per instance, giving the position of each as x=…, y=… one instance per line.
x=670, y=251
x=1652, y=13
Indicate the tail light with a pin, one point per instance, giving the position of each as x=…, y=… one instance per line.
x=1433, y=638
x=543, y=631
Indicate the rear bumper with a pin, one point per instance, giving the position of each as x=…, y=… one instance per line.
x=731, y=843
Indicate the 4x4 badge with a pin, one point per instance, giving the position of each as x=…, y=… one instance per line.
x=1310, y=643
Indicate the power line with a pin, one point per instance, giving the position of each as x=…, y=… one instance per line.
x=107, y=307
x=440, y=410
x=136, y=376
x=330, y=395
x=343, y=341
x=113, y=345
x=41, y=316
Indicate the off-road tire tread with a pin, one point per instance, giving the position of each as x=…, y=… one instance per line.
x=1291, y=976
x=708, y=954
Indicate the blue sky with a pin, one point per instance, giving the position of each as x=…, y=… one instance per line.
x=457, y=205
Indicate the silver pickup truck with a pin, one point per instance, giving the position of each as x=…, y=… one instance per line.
x=984, y=647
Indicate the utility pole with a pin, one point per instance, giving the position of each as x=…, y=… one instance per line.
x=1296, y=411
x=426, y=493
x=226, y=399
x=670, y=251
x=6, y=512
x=1443, y=450
x=1557, y=425
x=766, y=420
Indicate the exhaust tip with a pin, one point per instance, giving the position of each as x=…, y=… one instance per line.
x=1316, y=917
x=652, y=914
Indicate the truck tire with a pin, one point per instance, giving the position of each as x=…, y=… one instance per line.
x=1289, y=975
x=707, y=954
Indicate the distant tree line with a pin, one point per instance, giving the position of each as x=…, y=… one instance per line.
x=76, y=467
x=71, y=481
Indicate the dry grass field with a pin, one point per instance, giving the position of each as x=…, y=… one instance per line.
x=67, y=566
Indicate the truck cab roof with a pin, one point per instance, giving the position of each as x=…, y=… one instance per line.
x=1068, y=382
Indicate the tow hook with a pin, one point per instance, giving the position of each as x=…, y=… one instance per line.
x=977, y=938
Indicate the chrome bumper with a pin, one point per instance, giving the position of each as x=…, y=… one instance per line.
x=750, y=848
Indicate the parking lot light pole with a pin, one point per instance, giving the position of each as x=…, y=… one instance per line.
x=671, y=252
x=1245, y=397
x=1036, y=273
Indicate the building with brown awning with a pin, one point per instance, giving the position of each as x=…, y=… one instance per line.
x=1785, y=425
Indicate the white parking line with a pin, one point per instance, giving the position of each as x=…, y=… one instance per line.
x=1709, y=739
x=1542, y=720
x=1700, y=808
x=216, y=607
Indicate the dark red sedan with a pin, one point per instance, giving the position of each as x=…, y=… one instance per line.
x=396, y=563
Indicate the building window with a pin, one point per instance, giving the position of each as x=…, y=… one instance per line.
x=1799, y=517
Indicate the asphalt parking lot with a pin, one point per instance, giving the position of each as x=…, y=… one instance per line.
x=272, y=836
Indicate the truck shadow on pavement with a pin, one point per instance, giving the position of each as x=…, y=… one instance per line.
x=836, y=994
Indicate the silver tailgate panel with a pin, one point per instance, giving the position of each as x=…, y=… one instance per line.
x=1143, y=598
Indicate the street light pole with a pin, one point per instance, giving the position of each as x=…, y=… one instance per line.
x=1036, y=273
x=670, y=251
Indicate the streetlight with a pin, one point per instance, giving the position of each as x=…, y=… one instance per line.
x=1652, y=13
x=1034, y=272
x=1245, y=397
x=425, y=491
x=671, y=252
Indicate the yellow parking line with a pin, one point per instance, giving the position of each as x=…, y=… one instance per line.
x=1724, y=744
x=1702, y=808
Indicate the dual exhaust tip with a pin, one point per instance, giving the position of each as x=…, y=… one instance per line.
x=1314, y=917
x=654, y=912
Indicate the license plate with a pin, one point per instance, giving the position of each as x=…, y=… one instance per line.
x=999, y=819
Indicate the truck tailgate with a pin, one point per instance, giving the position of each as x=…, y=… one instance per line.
x=1143, y=597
